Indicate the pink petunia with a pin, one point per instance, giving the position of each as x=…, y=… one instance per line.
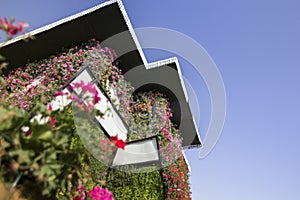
x=96, y=97
x=49, y=107
x=58, y=93
x=98, y=193
x=25, y=76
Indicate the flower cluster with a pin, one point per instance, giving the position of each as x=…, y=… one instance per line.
x=153, y=109
x=79, y=191
x=83, y=99
x=111, y=78
x=10, y=28
x=41, y=79
x=176, y=177
x=96, y=193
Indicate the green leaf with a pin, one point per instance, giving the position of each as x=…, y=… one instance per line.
x=6, y=118
x=51, y=156
x=46, y=136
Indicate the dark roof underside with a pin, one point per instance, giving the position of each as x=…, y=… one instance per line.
x=100, y=24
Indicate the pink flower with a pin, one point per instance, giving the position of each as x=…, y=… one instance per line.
x=98, y=193
x=88, y=87
x=10, y=28
x=96, y=97
x=60, y=93
x=24, y=76
x=49, y=107
x=81, y=190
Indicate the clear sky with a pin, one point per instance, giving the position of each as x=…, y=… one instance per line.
x=256, y=46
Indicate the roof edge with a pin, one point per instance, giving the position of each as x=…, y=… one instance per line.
x=80, y=14
x=59, y=22
x=132, y=32
x=186, y=161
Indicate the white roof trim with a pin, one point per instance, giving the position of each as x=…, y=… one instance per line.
x=186, y=161
x=160, y=63
x=131, y=30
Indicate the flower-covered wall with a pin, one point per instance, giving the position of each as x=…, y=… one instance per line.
x=40, y=147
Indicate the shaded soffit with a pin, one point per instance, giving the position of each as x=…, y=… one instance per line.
x=102, y=22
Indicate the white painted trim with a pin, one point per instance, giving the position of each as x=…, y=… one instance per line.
x=160, y=63
x=131, y=30
x=186, y=161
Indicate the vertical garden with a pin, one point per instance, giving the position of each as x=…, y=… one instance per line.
x=41, y=154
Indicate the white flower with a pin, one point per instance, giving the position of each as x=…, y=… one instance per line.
x=39, y=119
x=25, y=129
x=61, y=101
x=114, y=98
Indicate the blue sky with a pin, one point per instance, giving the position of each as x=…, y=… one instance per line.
x=256, y=46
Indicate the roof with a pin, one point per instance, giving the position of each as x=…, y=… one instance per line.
x=102, y=22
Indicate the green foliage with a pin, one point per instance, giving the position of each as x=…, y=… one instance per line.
x=133, y=185
x=45, y=155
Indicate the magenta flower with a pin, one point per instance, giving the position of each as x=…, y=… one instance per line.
x=25, y=76
x=80, y=190
x=98, y=193
x=96, y=97
x=85, y=87
x=49, y=107
x=58, y=93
